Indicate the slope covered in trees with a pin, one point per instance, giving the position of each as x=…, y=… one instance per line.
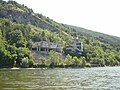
x=20, y=27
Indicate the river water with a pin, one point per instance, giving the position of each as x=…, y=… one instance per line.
x=102, y=78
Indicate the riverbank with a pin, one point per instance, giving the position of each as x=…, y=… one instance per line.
x=52, y=65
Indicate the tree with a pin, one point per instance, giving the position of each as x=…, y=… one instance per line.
x=77, y=61
x=26, y=62
x=6, y=59
x=29, y=44
x=83, y=61
x=54, y=58
x=24, y=53
x=68, y=60
x=16, y=37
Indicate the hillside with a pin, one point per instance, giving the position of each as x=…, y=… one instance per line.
x=20, y=28
x=113, y=40
x=21, y=14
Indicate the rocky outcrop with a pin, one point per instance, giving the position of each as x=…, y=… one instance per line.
x=26, y=18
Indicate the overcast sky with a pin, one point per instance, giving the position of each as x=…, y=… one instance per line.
x=97, y=15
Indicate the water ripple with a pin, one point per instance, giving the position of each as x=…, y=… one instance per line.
x=103, y=78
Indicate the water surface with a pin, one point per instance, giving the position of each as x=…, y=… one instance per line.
x=102, y=78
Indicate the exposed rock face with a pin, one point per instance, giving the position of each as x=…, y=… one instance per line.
x=26, y=18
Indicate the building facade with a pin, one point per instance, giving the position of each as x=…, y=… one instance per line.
x=45, y=47
x=77, y=44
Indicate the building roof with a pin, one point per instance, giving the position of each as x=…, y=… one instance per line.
x=46, y=44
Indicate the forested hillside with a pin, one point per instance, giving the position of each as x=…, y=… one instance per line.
x=20, y=28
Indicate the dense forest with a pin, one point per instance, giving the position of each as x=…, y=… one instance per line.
x=20, y=28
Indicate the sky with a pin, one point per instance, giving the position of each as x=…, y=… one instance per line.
x=97, y=15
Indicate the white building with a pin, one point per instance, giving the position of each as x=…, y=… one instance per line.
x=45, y=47
x=77, y=44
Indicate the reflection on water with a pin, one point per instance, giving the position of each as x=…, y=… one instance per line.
x=106, y=78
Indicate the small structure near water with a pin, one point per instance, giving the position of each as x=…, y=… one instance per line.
x=45, y=47
x=77, y=45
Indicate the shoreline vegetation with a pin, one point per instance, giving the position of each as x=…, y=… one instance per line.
x=21, y=28
x=54, y=60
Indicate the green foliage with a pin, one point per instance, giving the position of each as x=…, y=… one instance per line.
x=68, y=60
x=54, y=58
x=76, y=61
x=17, y=39
x=83, y=62
x=88, y=65
x=13, y=44
x=26, y=62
